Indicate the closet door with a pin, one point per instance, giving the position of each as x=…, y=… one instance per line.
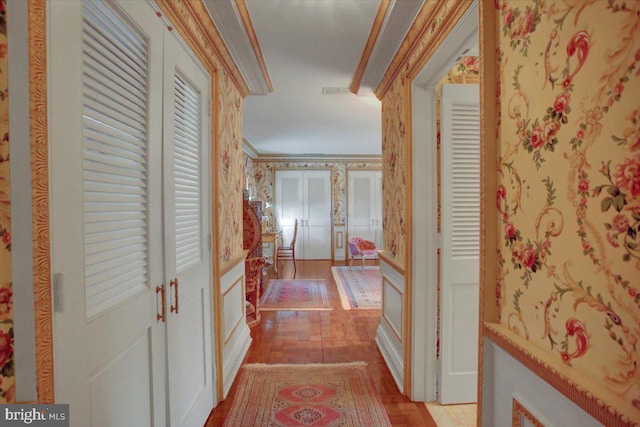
x=106, y=217
x=317, y=215
x=365, y=205
x=289, y=206
x=460, y=259
x=187, y=236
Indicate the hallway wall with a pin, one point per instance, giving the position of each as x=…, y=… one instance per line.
x=564, y=246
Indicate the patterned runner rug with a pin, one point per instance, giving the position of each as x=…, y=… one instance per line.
x=359, y=290
x=306, y=395
x=292, y=294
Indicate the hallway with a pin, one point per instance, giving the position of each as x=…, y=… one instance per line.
x=335, y=336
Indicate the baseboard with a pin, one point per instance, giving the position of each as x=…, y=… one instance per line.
x=385, y=340
x=234, y=354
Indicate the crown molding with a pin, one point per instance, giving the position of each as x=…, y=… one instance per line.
x=233, y=21
x=390, y=26
x=318, y=158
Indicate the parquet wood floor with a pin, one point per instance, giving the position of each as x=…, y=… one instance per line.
x=334, y=336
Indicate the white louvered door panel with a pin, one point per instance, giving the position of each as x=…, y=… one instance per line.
x=106, y=210
x=289, y=202
x=187, y=230
x=317, y=215
x=460, y=130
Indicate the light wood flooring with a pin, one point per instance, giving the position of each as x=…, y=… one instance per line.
x=335, y=336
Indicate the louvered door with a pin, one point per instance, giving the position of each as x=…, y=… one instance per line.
x=365, y=205
x=187, y=237
x=460, y=130
x=107, y=212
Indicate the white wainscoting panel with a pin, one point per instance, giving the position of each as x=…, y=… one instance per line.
x=390, y=337
x=504, y=378
x=237, y=337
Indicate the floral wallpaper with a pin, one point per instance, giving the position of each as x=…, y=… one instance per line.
x=264, y=180
x=395, y=116
x=7, y=378
x=569, y=185
x=231, y=179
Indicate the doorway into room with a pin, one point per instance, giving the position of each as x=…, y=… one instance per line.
x=446, y=232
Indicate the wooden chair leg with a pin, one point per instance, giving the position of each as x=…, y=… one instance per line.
x=294, y=267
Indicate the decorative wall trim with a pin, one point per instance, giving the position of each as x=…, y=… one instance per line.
x=581, y=395
x=416, y=33
x=248, y=26
x=232, y=263
x=240, y=318
x=519, y=411
x=391, y=262
x=489, y=81
x=40, y=200
x=317, y=157
x=398, y=333
x=195, y=24
x=381, y=14
x=390, y=354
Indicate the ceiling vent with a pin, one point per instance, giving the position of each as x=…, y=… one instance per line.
x=335, y=91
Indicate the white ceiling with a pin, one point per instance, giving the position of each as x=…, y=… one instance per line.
x=309, y=45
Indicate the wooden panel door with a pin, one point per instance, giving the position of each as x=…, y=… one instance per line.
x=106, y=200
x=460, y=243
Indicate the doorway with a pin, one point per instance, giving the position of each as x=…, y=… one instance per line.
x=426, y=369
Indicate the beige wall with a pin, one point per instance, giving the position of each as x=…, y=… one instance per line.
x=568, y=172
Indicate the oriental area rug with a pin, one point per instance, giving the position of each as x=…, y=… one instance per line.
x=359, y=289
x=292, y=294
x=311, y=395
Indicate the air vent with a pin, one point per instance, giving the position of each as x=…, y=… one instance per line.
x=335, y=91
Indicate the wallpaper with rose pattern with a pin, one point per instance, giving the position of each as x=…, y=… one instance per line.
x=230, y=175
x=569, y=184
x=263, y=180
x=7, y=378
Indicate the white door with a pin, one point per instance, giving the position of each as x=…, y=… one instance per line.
x=106, y=217
x=305, y=196
x=289, y=206
x=187, y=236
x=460, y=242
x=317, y=215
x=365, y=205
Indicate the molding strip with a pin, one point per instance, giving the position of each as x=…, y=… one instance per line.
x=40, y=200
x=371, y=42
x=583, y=397
x=248, y=26
x=193, y=20
x=391, y=262
x=414, y=36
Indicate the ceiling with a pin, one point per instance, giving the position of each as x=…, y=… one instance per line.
x=301, y=47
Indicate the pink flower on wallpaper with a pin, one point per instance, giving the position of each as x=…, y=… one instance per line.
x=583, y=185
x=537, y=139
x=6, y=348
x=6, y=239
x=550, y=130
x=561, y=102
x=3, y=50
x=507, y=19
x=620, y=223
x=6, y=303
x=627, y=176
x=510, y=231
x=612, y=241
x=528, y=257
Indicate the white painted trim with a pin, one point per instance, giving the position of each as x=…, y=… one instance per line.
x=385, y=340
x=425, y=238
x=237, y=344
x=21, y=210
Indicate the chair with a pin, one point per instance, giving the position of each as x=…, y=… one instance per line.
x=289, y=252
x=359, y=247
x=253, y=288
